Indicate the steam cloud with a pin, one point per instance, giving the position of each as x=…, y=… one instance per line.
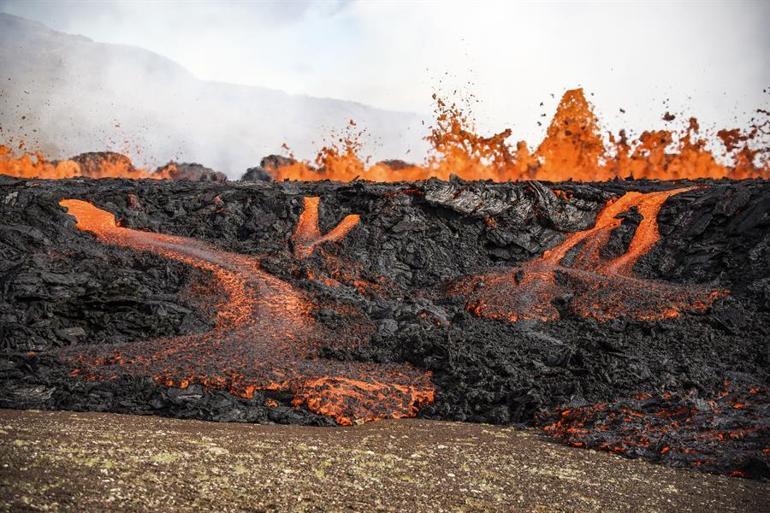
x=65, y=95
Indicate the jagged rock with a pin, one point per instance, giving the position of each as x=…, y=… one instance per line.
x=133, y=202
x=412, y=243
x=470, y=199
x=395, y=164
x=190, y=171
x=256, y=174
x=94, y=164
x=262, y=173
x=272, y=162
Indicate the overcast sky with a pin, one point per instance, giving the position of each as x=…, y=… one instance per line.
x=710, y=59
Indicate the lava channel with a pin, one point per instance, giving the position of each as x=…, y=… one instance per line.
x=589, y=285
x=264, y=338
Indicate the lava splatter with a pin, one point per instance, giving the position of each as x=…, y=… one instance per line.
x=573, y=149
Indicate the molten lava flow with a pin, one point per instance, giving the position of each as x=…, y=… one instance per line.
x=265, y=338
x=572, y=149
x=91, y=165
x=307, y=234
x=588, y=285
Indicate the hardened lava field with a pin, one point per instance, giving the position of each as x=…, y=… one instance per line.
x=626, y=316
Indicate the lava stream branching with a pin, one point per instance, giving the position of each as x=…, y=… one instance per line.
x=265, y=338
x=307, y=234
x=588, y=286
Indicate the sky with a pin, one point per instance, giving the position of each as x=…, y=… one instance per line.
x=709, y=59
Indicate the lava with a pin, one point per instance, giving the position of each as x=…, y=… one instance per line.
x=307, y=234
x=573, y=149
x=35, y=166
x=572, y=144
x=574, y=276
x=265, y=337
x=91, y=165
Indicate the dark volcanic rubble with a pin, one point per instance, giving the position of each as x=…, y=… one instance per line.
x=61, y=288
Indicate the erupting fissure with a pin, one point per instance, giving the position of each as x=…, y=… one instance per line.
x=265, y=337
x=573, y=149
x=574, y=277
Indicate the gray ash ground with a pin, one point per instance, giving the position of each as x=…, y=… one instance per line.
x=59, y=287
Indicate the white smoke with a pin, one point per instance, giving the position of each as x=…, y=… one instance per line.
x=66, y=94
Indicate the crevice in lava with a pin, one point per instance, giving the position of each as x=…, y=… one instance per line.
x=265, y=338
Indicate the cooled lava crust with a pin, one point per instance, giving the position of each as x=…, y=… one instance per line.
x=630, y=316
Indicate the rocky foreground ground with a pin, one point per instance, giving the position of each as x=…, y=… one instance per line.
x=63, y=461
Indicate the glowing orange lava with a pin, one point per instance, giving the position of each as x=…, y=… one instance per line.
x=307, y=234
x=35, y=165
x=589, y=286
x=572, y=149
x=265, y=338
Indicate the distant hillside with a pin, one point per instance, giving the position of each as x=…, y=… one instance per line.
x=67, y=94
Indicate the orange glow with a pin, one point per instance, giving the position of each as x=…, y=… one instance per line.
x=596, y=287
x=307, y=235
x=572, y=149
x=35, y=165
x=265, y=338
x=332, y=395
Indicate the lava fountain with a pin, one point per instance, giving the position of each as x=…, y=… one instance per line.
x=88, y=165
x=573, y=149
